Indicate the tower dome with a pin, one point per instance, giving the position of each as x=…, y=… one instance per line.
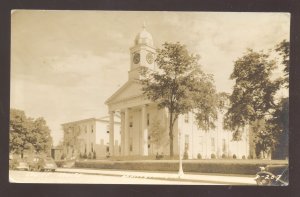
x=144, y=37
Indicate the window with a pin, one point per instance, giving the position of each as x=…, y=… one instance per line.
x=130, y=124
x=148, y=119
x=186, y=118
x=92, y=147
x=201, y=144
x=224, y=146
x=107, y=149
x=186, y=142
x=130, y=145
x=84, y=148
x=213, y=147
x=92, y=128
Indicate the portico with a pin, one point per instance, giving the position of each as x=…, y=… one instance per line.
x=134, y=130
x=130, y=102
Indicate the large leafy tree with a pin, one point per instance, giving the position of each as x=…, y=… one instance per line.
x=42, y=140
x=19, y=135
x=206, y=103
x=28, y=134
x=253, y=100
x=179, y=85
x=253, y=93
x=283, y=48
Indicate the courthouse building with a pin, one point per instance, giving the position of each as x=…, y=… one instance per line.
x=139, y=116
x=90, y=137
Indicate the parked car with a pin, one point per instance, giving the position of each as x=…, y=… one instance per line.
x=18, y=164
x=42, y=164
x=273, y=175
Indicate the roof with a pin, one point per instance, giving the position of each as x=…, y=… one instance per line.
x=130, y=89
x=102, y=119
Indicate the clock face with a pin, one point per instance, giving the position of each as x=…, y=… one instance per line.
x=136, y=58
x=150, y=58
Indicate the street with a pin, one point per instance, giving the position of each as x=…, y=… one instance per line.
x=84, y=176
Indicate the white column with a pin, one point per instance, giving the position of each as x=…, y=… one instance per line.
x=144, y=132
x=126, y=132
x=122, y=133
x=111, y=133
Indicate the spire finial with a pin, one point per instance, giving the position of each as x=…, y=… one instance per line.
x=144, y=25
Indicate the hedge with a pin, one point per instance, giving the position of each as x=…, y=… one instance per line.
x=247, y=167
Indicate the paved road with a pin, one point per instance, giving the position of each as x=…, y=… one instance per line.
x=79, y=175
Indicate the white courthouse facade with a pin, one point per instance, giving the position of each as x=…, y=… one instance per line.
x=138, y=114
x=90, y=137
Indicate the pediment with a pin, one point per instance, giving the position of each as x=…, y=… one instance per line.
x=129, y=90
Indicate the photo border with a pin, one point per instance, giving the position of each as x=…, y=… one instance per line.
x=14, y=189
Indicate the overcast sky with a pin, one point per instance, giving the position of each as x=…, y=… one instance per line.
x=65, y=64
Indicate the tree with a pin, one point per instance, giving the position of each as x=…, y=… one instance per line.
x=283, y=48
x=177, y=85
x=28, y=134
x=42, y=140
x=279, y=125
x=156, y=133
x=253, y=97
x=20, y=128
x=72, y=140
x=206, y=103
x=253, y=94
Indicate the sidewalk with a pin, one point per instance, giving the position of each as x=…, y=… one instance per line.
x=188, y=177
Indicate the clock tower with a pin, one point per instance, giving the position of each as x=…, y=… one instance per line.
x=142, y=54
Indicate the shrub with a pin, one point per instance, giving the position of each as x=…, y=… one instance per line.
x=94, y=155
x=243, y=157
x=247, y=167
x=213, y=156
x=234, y=156
x=84, y=156
x=250, y=157
x=224, y=156
x=199, y=156
x=90, y=155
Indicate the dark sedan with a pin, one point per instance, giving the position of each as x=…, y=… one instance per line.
x=42, y=164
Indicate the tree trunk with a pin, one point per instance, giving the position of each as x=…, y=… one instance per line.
x=171, y=140
x=171, y=135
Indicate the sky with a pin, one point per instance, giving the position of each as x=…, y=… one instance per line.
x=65, y=64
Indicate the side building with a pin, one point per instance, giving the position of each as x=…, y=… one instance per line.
x=89, y=138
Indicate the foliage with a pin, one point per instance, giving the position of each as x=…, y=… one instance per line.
x=253, y=94
x=253, y=100
x=283, y=48
x=179, y=85
x=278, y=124
x=228, y=166
x=71, y=138
x=28, y=134
x=156, y=132
x=206, y=103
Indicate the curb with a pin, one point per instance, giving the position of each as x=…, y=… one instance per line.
x=159, y=178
